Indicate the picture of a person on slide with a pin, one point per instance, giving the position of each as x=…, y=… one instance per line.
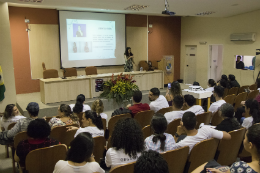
x=79, y=32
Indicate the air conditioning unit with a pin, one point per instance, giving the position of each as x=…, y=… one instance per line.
x=243, y=37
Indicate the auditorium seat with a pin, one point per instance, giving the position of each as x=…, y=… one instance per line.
x=203, y=118
x=233, y=90
x=216, y=119
x=242, y=89
x=164, y=110
x=155, y=64
x=239, y=98
x=43, y=160
x=172, y=127
x=253, y=87
x=202, y=152
x=225, y=92
x=252, y=94
x=50, y=73
x=98, y=151
x=91, y=70
x=70, y=72
x=230, y=99
x=7, y=146
x=144, y=64
x=126, y=168
x=144, y=117
x=176, y=159
x=228, y=149
x=147, y=131
x=113, y=120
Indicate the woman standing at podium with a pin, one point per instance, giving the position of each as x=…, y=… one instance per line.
x=129, y=60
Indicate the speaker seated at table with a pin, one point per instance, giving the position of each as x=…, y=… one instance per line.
x=91, y=70
x=68, y=72
x=50, y=73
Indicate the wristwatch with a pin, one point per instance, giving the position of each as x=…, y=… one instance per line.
x=176, y=134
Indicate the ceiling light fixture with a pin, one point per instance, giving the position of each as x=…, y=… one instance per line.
x=136, y=7
x=39, y=1
x=205, y=13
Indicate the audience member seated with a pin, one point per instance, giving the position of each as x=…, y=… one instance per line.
x=252, y=113
x=11, y=115
x=189, y=101
x=158, y=101
x=196, y=83
x=258, y=84
x=137, y=106
x=77, y=109
x=127, y=143
x=79, y=157
x=176, y=106
x=211, y=84
x=252, y=145
x=151, y=162
x=223, y=77
x=98, y=107
x=229, y=123
x=232, y=81
x=80, y=99
x=195, y=136
x=91, y=123
x=66, y=117
x=224, y=84
x=218, y=94
x=21, y=125
x=159, y=141
x=38, y=132
x=173, y=91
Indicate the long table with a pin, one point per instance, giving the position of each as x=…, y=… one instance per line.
x=57, y=89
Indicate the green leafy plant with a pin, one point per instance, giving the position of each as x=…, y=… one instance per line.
x=120, y=88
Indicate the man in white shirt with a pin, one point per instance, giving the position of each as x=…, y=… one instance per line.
x=177, y=104
x=195, y=136
x=218, y=94
x=158, y=101
x=189, y=101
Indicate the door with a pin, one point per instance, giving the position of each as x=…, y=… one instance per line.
x=191, y=62
x=215, y=62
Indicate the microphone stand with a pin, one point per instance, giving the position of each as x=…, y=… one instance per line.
x=64, y=72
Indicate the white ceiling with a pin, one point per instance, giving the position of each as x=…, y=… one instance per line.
x=222, y=8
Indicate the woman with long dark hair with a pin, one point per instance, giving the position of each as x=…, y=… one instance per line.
x=159, y=141
x=91, y=123
x=252, y=113
x=129, y=60
x=80, y=100
x=173, y=91
x=127, y=143
x=79, y=157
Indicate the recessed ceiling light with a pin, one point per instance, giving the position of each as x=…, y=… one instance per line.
x=136, y=7
x=205, y=13
x=39, y=1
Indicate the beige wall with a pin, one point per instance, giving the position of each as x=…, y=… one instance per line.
x=6, y=57
x=217, y=31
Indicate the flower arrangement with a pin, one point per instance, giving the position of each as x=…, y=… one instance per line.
x=120, y=88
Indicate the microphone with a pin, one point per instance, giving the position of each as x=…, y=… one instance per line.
x=64, y=72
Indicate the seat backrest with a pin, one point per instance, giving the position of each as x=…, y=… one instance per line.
x=252, y=94
x=127, y=168
x=50, y=73
x=144, y=118
x=113, y=120
x=155, y=64
x=47, y=119
x=228, y=149
x=239, y=98
x=99, y=144
x=43, y=66
x=60, y=133
x=70, y=72
x=91, y=70
x=10, y=126
x=175, y=162
x=230, y=99
x=172, y=126
x=104, y=122
x=242, y=89
x=43, y=160
x=216, y=119
x=203, y=118
x=144, y=64
x=253, y=87
x=225, y=92
x=233, y=90
x=202, y=152
x=164, y=110
x=147, y=131
x=19, y=137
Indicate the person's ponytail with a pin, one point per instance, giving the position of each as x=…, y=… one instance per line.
x=162, y=139
x=98, y=121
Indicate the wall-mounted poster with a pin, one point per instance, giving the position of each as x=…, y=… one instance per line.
x=99, y=85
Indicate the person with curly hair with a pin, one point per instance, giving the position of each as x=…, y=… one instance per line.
x=98, y=107
x=79, y=157
x=159, y=141
x=11, y=115
x=127, y=143
x=91, y=123
x=173, y=91
x=65, y=117
x=151, y=161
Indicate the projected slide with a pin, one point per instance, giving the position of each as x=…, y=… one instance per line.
x=90, y=39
